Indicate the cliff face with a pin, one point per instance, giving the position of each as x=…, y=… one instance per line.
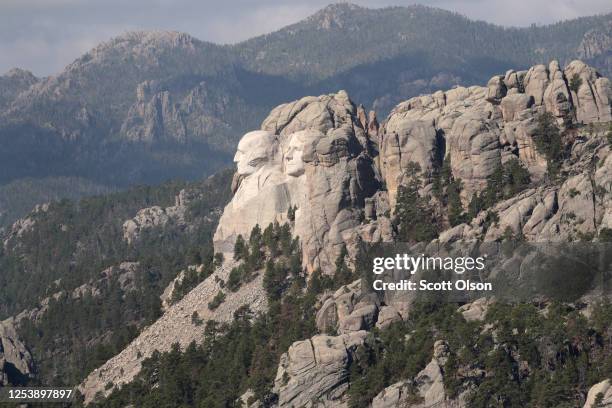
x=325, y=167
x=16, y=365
x=479, y=128
x=322, y=157
x=313, y=156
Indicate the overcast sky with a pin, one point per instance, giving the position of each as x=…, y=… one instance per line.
x=45, y=35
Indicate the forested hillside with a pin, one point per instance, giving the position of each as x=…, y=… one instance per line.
x=80, y=291
x=517, y=171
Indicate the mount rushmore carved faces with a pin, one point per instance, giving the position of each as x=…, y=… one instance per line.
x=254, y=150
x=300, y=146
x=310, y=156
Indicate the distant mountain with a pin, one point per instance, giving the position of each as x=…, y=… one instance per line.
x=150, y=106
x=13, y=83
x=382, y=56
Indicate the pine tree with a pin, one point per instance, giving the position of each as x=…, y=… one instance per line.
x=270, y=238
x=456, y=214
x=505, y=181
x=343, y=274
x=291, y=213
x=255, y=249
x=413, y=216
x=240, y=249
x=575, y=83
x=548, y=142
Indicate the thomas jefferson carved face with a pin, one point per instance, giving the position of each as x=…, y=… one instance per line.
x=294, y=151
x=254, y=150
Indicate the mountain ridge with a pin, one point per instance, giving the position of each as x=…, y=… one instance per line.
x=338, y=180
x=145, y=107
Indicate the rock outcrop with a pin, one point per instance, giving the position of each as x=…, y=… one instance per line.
x=348, y=310
x=125, y=273
x=23, y=226
x=476, y=310
x=593, y=95
x=16, y=364
x=13, y=83
x=599, y=396
x=153, y=117
x=479, y=128
x=149, y=218
x=577, y=208
x=160, y=114
x=314, y=372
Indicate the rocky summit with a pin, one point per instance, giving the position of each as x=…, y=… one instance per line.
x=326, y=168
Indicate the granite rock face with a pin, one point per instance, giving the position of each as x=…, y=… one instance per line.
x=348, y=310
x=578, y=207
x=312, y=155
x=603, y=389
x=23, y=226
x=153, y=117
x=16, y=364
x=476, y=310
x=326, y=160
x=172, y=116
x=146, y=219
x=479, y=128
x=593, y=96
x=407, y=141
x=314, y=372
x=149, y=218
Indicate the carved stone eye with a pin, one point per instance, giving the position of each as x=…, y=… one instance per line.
x=256, y=162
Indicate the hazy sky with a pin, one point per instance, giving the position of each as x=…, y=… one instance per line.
x=45, y=35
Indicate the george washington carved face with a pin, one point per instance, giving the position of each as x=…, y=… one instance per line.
x=254, y=150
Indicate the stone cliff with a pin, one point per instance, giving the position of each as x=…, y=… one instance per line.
x=312, y=156
x=479, y=128
x=16, y=364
